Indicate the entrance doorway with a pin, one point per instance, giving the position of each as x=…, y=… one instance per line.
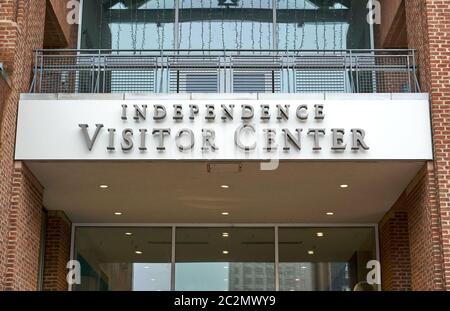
x=224, y=257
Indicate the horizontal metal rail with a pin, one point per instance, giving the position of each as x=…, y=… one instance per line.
x=224, y=71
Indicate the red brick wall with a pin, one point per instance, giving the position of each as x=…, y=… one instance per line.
x=428, y=23
x=9, y=12
x=20, y=32
x=425, y=242
x=394, y=248
x=57, y=251
x=22, y=24
x=24, y=231
x=410, y=238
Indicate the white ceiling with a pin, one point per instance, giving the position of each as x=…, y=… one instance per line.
x=184, y=192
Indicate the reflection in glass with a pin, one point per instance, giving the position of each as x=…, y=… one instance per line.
x=128, y=25
x=241, y=259
x=111, y=259
x=222, y=259
x=214, y=24
x=151, y=276
x=334, y=261
x=322, y=25
x=208, y=24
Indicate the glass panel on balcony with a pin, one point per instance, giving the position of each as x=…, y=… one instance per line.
x=226, y=24
x=128, y=24
x=226, y=46
x=322, y=24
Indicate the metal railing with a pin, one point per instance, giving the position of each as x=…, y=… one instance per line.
x=224, y=71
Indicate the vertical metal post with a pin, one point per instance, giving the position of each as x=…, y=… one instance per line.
x=416, y=82
x=156, y=74
x=97, y=83
x=172, y=267
x=92, y=72
x=35, y=70
x=357, y=73
x=72, y=250
x=371, y=32
x=277, y=261
x=176, y=34
x=352, y=83
x=408, y=70
x=167, y=86
x=41, y=71
x=274, y=26
x=377, y=251
x=273, y=81
x=80, y=21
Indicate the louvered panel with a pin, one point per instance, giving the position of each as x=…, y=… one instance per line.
x=256, y=81
x=193, y=81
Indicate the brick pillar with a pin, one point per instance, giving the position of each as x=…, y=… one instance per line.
x=394, y=248
x=23, y=240
x=57, y=251
x=409, y=235
x=21, y=30
x=428, y=29
x=424, y=231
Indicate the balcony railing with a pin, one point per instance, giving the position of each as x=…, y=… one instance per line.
x=224, y=71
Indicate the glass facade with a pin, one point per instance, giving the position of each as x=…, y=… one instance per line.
x=223, y=258
x=326, y=259
x=225, y=24
x=120, y=259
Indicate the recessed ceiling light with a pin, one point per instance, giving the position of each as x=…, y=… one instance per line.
x=226, y=280
x=304, y=267
x=329, y=213
x=310, y=252
x=319, y=234
x=146, y=267
x=225, y=213
x=297, y=280
x=153, y=280
x=343, y=186
x=225, y=267
x=225, y=252
x=138, y=252
x=128, y=233
x=224, y=186
x=118, y=213
x=225, y=234
x=104, y=186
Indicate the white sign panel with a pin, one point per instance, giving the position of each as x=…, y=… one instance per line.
x=223, y=130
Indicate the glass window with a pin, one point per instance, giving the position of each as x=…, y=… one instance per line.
x=116, y=258
x=325, y=259
x=225, y=24
x=128, y=25
x=322, y=25
x=222, y=259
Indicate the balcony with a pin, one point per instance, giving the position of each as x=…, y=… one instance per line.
x=224, y=71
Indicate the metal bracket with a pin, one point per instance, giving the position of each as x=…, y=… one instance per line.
x=4, y=75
